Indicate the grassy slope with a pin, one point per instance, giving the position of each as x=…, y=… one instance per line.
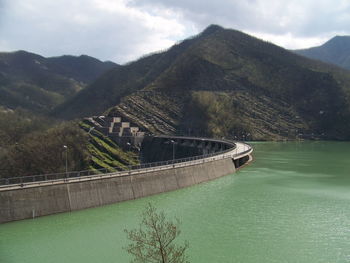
x=105, y=153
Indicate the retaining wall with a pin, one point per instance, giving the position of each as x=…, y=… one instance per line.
x=17, y=204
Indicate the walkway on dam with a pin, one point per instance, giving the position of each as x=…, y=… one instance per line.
x=240, y=150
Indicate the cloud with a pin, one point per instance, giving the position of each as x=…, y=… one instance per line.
x=290, y=41
x=107, y=29
x=292, y=21
x=2, y=7
x=122, y=30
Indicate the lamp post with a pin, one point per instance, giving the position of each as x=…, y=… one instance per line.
x=203, y=147
x=173, y=142
x=66, y=149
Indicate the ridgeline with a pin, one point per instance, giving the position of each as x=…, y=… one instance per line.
x=335, y=51
x=223, y=82
x=38, y=84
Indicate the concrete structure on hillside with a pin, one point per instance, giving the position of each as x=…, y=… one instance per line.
x=120, y=131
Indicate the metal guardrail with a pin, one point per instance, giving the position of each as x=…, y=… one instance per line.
x=24, y=180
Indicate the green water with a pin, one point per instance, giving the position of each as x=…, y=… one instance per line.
x=291, y=205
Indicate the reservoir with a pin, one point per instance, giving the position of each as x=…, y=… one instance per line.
x=292, y=204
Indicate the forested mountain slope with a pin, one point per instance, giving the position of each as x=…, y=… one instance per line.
x=38, y=84
x=223, y=83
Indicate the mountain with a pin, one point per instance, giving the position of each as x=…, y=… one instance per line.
x=223, y=82
x=335, y=51
x=35, y=83
x=83, y=68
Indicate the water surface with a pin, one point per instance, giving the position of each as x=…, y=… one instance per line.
x=292, y=204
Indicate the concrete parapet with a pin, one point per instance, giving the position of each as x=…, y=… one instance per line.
x=46, y=198
x=56, y=198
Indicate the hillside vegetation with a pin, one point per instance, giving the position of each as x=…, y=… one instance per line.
x=224, y=83
x=38, y=84
x=31, y=142
x=15, y=124
x=42, y=151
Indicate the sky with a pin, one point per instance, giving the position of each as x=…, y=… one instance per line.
x=124, y=30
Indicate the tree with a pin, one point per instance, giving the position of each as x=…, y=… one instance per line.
x=42, y=152
x=154, y=240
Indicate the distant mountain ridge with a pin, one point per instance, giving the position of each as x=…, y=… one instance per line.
x=84, y=68
x=335, y=51
x=223, y=82
x=36, y=83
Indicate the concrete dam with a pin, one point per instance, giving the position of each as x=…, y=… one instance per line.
x=168, y=163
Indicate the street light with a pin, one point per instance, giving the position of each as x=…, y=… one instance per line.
x=66, y=148
x=203, y=147
x=173, y=142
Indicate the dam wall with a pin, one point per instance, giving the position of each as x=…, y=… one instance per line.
x=45, y=197
x=162, y=148
x=30, y=202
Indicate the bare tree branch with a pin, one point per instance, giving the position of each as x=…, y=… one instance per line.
x=154, y=240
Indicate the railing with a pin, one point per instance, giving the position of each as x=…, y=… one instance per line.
x=4, y=182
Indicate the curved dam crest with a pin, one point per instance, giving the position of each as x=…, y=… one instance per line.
x=35, y=199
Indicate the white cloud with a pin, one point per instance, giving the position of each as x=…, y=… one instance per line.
x=122, y=30
x=106, y=29
x=290, y=41
x=293, y=23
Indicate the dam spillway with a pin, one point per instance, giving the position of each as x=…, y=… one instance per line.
x=213, y=158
